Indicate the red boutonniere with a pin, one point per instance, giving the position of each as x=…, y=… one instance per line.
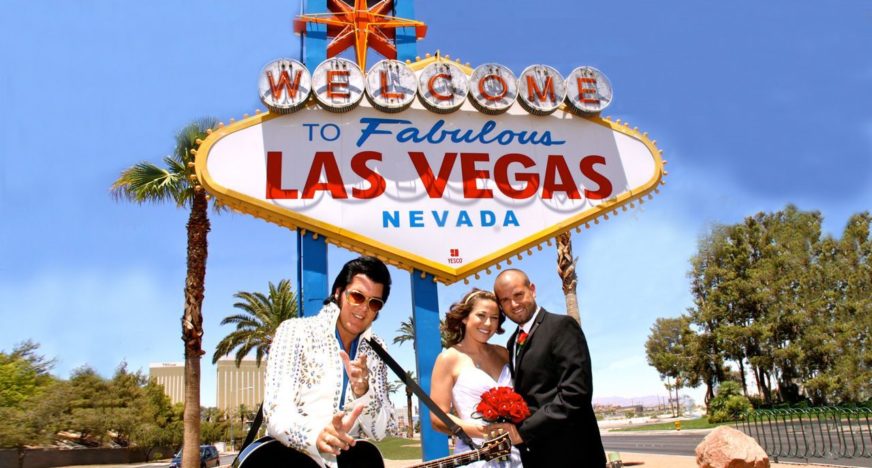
x=522, y=338
x=502, y=404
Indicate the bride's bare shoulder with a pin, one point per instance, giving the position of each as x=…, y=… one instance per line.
x=449, y=356
x=450, y=360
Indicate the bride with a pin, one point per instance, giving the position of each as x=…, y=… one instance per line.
x=469, y=366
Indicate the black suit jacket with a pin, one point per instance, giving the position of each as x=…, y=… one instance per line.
x=553, y=375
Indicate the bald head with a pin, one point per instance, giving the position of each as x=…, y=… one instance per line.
x=512, y=274
x=516, y=295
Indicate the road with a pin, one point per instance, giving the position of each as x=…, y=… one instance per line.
x=664, y=443
x=680, y=443
x=225, y=461
x=684, y=443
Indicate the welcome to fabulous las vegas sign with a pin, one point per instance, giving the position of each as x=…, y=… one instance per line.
x=430, y=165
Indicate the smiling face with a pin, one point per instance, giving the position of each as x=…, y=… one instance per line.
x=483, y=320
x=355, y=319
x=517, y=295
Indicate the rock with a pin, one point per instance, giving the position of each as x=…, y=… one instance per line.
x=726, y=447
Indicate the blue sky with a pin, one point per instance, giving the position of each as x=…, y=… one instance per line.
x=755, y=105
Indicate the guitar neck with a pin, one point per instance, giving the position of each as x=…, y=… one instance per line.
x=452, y=461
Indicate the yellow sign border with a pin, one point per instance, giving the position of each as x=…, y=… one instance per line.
x=402, y=259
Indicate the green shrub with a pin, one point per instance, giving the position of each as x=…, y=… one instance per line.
x=729, y=404
x=756, y=401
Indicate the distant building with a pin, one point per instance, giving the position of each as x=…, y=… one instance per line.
x=401, y=417
x=172, y=376
x=241, y=385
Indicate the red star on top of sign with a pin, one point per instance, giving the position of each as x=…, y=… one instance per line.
x=360, y=26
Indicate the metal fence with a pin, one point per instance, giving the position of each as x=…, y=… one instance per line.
x=829, y=432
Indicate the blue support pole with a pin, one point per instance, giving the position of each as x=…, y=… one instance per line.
x=405, y=40
x=425, y=304
x=315, y=40
x=425, y=301
x=312, y=286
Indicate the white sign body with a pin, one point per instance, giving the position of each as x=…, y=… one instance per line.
x=446, y=194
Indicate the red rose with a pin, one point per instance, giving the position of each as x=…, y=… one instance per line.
x=482, y=406
x=519, y=412
x=502, y=404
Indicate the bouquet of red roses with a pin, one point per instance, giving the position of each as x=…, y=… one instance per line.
x=502, y=404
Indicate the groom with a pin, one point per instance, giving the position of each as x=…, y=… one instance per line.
x=550, y=363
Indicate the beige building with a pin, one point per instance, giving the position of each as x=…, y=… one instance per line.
x=241, y=385
x=172, y=376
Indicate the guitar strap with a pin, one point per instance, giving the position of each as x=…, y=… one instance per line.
x=252, y=431
x=456, y=430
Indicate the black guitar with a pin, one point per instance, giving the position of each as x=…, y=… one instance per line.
x=266, y=452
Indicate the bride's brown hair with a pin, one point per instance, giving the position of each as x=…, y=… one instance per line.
x=453, y=328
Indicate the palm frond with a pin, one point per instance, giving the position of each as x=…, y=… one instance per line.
x=406, y=331
x=255, y=303
x=146, y=182
x=241, y=320
x=243, y=351
x=261, y=314
x=186, y=139
x=230, y=342
x=259, y=356
x=175, y=166
x=219, y=207
x=181, y=197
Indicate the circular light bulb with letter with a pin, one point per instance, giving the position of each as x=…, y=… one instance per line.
x=493, y=88
x=588, y=91
x=442, y=87
x=338, y=84
x=391, y=86
x=284, y=86
x=541, y=89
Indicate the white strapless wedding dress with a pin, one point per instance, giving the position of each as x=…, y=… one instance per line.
x=466, y=395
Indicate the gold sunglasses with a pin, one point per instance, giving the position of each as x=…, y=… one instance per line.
x=356, y=298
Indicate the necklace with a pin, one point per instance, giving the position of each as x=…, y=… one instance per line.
x=472, y=357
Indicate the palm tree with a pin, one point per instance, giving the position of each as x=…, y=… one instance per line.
x=394, y=387
x=210, y=413
x=407, y=332
x=399, y=383
x=257, y=325
x=147, y=182
x=566, y=270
